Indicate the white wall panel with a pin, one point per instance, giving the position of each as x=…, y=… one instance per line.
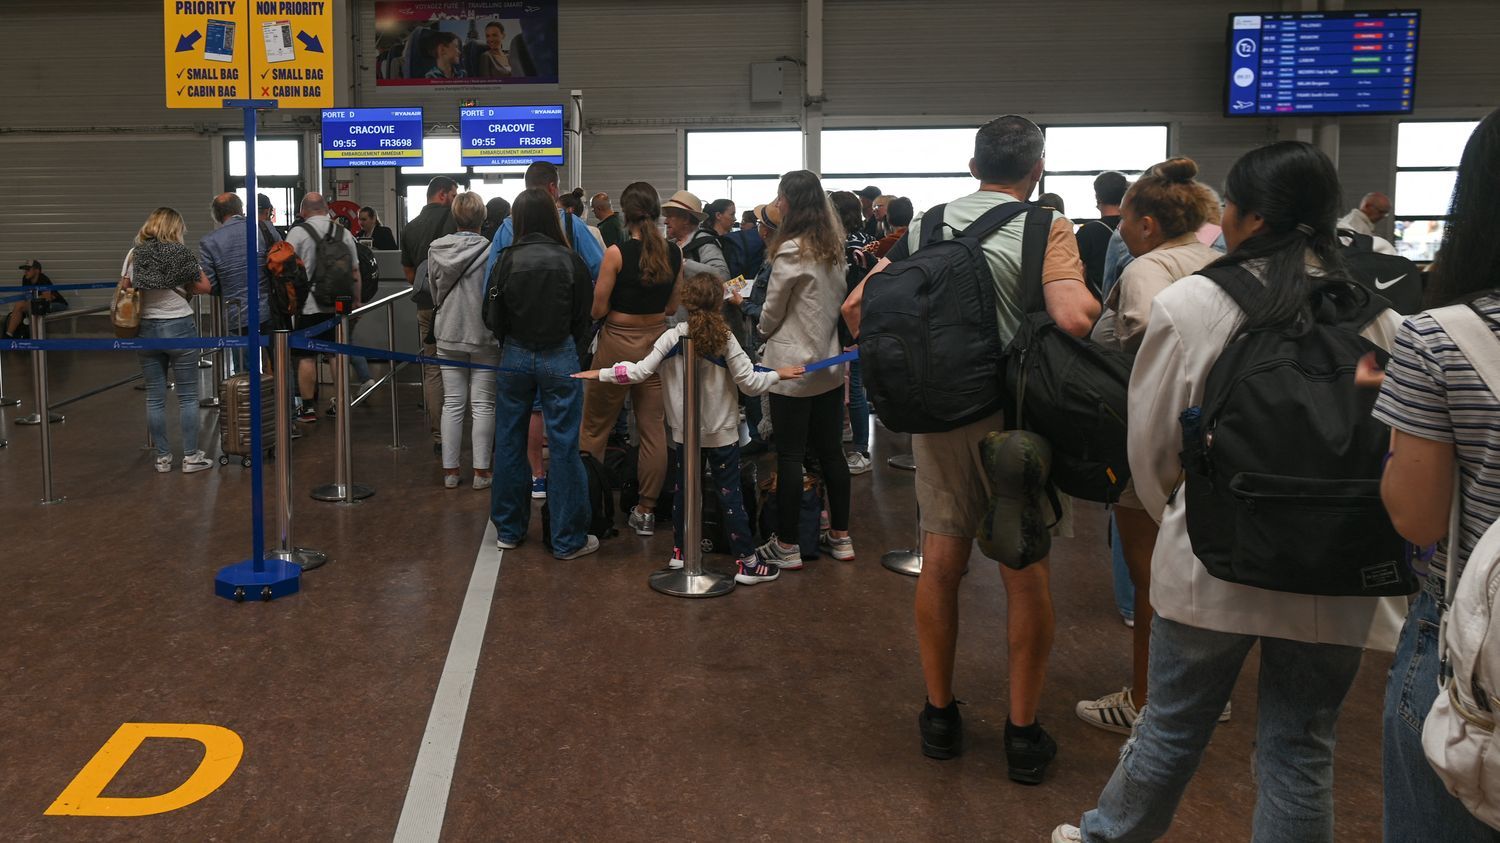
x=76, y=203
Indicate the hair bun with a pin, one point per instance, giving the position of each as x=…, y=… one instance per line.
x=578, y=191
x=1177, y=169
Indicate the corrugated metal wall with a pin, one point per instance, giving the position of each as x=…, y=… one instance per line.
x=650, y=68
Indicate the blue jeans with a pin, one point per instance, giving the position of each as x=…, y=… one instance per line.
x=859, y=409
x=1193, y=671
x=546, y=375
x=360, y=365
x=724, y=473
x=1417, y=805
x=183, y=364
x=1124, y=588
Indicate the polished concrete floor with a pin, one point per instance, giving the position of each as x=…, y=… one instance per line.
x=599, y=710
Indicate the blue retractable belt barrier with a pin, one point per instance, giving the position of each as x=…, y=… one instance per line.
x=9, y=299
x=132, y=344
x=42, y=288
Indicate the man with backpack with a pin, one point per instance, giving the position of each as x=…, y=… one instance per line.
x=953, y=486
x=329, y=252
x=222, y=255
x=1094, y=235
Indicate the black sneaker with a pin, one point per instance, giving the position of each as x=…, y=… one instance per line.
x=942, y=731
x=1028, y=752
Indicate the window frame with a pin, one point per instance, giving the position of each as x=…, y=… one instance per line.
x=688, y=176
x=1397, y=169
x=1093, y=210
x=297, y=184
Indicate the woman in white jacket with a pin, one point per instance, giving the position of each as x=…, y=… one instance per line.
x=1281, y=203
x=723, y=370
x=799, y=322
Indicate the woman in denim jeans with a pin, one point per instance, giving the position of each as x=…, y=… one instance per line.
x=1280, y=205
x=1443, y=418
x=168, y=275
x=538, y=309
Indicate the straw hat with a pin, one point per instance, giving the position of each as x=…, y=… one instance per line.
x=768, y=215
x=687, y=202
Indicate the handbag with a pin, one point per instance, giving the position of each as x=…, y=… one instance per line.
x=125, y=307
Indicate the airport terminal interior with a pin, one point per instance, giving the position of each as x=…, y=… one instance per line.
x=353, y=619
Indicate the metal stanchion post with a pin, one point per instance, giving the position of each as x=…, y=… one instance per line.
x=5, y=402
x=343, y=489
x=39, y=374
x=908, y=562
x=39, y=385
x=691, y=580
x=220, y=356
x=203, y=362
x=390, y=337
x=302, y=557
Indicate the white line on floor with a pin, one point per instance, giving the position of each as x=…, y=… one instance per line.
x=427, y=795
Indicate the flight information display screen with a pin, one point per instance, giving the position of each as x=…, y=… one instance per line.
x=372, y=137
x=1288, y=63
x=509, y=136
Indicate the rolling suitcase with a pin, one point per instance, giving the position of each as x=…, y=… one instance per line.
x=235, y=421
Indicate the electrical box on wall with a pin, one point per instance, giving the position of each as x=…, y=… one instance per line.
x=766, y=81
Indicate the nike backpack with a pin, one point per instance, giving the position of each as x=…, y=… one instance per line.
x=1458, y=736
x=1282, y=461
x=929, y=344
x=1391, y=277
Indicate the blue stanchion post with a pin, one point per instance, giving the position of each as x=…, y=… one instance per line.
x=259, y=576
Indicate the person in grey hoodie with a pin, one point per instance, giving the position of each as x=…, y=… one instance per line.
x=455, y=265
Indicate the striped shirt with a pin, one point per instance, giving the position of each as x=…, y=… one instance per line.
x=1432, y=391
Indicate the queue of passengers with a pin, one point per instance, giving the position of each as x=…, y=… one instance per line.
x=579, y=319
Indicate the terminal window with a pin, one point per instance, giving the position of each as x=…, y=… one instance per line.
x=744, y=166
x=1078, y=154
x=441, y=156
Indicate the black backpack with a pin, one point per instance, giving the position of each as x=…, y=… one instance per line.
x=601, y=504
x=1391, y=277
x=929, y=344
x=332, y=272
x=369, y=273
x=1282, y=461
x=1068, y=390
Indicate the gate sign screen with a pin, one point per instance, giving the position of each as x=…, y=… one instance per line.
x=511, y=136
x=372, y=137
x=1323, y=63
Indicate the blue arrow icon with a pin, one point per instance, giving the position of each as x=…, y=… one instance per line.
x=186, y=42
x=310, y=42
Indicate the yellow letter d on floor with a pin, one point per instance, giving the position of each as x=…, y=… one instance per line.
x=222, y=750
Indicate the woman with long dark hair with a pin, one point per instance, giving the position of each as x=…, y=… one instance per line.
x=800, y=324
x=637, y=290
x=1281, y=201
x=857, y=256
x=1444, y=419
x=539, y=311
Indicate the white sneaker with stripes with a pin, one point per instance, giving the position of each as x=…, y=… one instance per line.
x=1117, y=712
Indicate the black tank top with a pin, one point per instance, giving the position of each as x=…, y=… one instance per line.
x=629, y=294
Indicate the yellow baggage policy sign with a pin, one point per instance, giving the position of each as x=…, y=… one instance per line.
x=219, y=50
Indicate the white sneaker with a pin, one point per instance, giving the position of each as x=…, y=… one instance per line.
x=196, y=461
x=841, y=549
x=502, y=544
x=1117, y=712
x=164, y=464
x=787, y=559
x=364, y=387
x=450, y=481
x=675, y=563
x=483, y=481
x=1067, y=834
x=1111, y=712
x=588, y=547
x=858, y=463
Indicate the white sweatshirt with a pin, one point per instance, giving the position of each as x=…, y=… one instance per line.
x=718, y=398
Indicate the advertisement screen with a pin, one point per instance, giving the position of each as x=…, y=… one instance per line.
x=465, y=42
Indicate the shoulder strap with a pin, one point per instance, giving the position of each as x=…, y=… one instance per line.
x=932, y=224
x=1237, y=281
x=1033, y=256
x=1361, y=242
x=1474, y=337
x=990, y=221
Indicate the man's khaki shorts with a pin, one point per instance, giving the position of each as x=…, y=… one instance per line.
x=953, y=491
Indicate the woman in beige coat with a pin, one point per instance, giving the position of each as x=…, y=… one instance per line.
x=1281, y=203
x=800, y=325
x=1159, y=219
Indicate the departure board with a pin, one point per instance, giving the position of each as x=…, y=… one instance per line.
x=372, y=137
x=510, y=136
x=1326, y=63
